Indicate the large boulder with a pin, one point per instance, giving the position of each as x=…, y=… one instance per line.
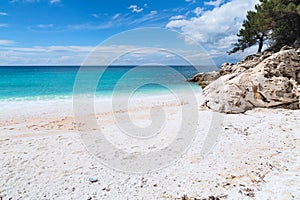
x=205, y=78
x=269, y=80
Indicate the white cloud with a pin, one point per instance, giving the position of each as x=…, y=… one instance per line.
x=54, y=1
x=135, y=8
x=216, y=29
x=41, y=49
x=45, y=25
x=38, y=55
x=54, y=55
x=76, y=55
x=64, y=59
x=116, y=16
x=7, y=42
x=198, y=11
x=153, y=12
x=215, y=3
x=225, y=42
x=88, y=26
x=118, y=20
x=95, y=15
x=177, y=17
x=3, y=14
x=150, y=19
x=193, y=1
x=3, y=25
x=33, y=1
x=216, y=24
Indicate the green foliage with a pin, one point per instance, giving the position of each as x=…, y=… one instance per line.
x=277, y=21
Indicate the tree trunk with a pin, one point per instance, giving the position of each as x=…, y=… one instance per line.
x=260, y=44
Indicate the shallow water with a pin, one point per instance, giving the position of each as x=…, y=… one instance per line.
x=56, y=82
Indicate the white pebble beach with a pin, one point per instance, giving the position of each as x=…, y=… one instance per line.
x=256, y=156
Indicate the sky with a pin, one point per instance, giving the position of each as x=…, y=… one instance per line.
x=63, y=32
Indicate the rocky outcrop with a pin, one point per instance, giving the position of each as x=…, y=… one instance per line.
x=205, y=78
x=267, y=80
x=247, y=63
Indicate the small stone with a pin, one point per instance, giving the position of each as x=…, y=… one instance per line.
x=185, y=197
x=93, y=180
x=106, y=189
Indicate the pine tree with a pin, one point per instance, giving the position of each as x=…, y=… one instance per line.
x=277, y=21
x=255, y=30
x=286, y=22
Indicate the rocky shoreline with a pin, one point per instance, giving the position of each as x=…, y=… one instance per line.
x=265, y=80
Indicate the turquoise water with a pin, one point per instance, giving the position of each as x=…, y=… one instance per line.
x=40, y=82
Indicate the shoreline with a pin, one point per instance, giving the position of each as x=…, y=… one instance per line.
x=107, y=95
x=59, y=112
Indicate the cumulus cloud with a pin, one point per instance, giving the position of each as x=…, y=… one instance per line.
x=135, y=8
x=225, y=42
x=216, y=24
x=3, y=14
x=216, y=29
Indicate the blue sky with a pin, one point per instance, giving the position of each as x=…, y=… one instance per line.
x=53, y=32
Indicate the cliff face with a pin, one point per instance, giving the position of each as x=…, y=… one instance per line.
x=267, y=80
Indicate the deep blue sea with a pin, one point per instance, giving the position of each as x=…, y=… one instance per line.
x=56, y=82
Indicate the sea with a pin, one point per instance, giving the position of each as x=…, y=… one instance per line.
x=19, y=83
